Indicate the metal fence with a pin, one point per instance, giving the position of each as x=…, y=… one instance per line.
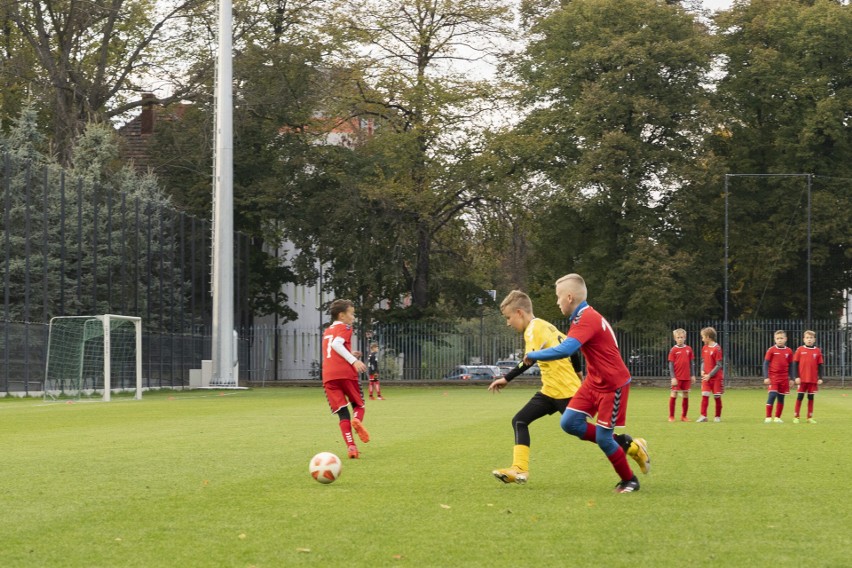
x=419, y=351
x=428, y=351
x=70, y=247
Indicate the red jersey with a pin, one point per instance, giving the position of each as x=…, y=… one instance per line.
x=709, y=357
x=334, y=366
x=809, y=360
x=605, y=370
x=682, y=357
x=779, y=362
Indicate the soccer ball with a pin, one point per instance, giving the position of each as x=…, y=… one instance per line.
x=325, y=467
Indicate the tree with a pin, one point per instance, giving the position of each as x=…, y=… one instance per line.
x=411, y=74
x=90, y=58
x=616, y=113
x=787, y=99
x=73, y=246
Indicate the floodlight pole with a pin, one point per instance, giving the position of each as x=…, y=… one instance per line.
x=223, y=210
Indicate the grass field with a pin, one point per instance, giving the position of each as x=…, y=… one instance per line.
x=221, y=479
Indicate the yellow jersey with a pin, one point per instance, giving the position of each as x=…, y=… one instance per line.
x=558, y=378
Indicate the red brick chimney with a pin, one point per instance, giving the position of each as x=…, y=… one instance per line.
x=147, y=118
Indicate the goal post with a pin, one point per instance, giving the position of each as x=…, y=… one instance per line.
x=86, y=354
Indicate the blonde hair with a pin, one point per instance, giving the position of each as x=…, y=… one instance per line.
x=809, y=332
x=517, y=300
x=678, y=331
x=709, y=333
x=780, y=332
x=576, y=284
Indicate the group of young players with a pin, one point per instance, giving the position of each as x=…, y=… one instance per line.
x=590, y=409
x=603, y=395
x=780, y=366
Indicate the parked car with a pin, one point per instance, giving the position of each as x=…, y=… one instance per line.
x=474, y=372
x=507, y=365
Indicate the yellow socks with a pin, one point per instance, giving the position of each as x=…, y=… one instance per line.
x=521, y=458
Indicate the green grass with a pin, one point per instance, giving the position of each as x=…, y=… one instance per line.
x=209, y=479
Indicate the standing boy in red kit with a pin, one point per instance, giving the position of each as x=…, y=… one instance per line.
x=340, y=371
x=712, y=376
x=776, y=372
x=806, y=368
x=682, y=371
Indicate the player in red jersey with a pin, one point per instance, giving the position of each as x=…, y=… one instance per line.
x=807, y=363
x=776, y=373
x=682, y=371
x=606, y=388
x=340, y=371
x=712, y=376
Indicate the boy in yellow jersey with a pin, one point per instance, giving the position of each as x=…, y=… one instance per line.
x=559, y=380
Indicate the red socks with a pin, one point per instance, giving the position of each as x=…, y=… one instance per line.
x=358, y=413
x=705, y=401
x=718, y=406
x=346, y=430
x=619, y=464
x=672, y=401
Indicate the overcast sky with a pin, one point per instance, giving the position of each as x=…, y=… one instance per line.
x=717, y=4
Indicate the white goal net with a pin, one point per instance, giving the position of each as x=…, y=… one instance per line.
x=91, y=354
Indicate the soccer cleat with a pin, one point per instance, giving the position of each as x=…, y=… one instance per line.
x=360, y=430
x=381, y=397
x=628, y=486
x=778, y=420
x=353, y=452
x=796, y=420
x=717, y=419
x=767, y=420
x=811, y=421
x=702, y=419
x=639, y=452
x=510, y=475
x=372, y=397
x=684, y=419
x=671, y=418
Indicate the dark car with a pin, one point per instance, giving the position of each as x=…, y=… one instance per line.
x=473, y=373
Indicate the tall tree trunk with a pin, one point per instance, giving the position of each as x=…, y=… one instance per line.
x=420, y=290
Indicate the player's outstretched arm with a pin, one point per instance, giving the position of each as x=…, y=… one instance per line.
x=497, y=384
x=561, y=351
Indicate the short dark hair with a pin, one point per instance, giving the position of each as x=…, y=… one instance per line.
x=337, y=307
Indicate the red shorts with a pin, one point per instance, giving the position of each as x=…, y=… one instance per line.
x=715, y=385
x=809, y=388
x=338, y=391
x=609, y=407
x=682, y=385
x=374, y=377
x=781, y=386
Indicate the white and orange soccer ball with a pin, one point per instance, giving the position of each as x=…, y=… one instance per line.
x=325, y=467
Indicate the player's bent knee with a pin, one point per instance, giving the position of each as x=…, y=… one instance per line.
x=573, y=423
